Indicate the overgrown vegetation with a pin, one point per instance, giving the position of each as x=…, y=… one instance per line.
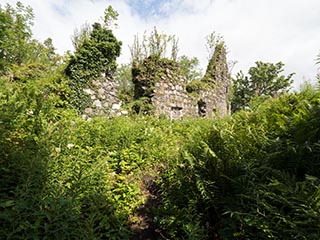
x=96, y=52
x=252, y=175
x=154, y=45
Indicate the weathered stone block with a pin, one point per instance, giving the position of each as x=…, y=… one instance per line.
x=97, y=103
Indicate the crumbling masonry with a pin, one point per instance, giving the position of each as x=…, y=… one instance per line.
x=161, y=89
x=161, y=83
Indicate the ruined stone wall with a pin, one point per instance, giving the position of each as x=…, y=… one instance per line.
x=218, y=75
x=171, y=99
x=161, y=81
x=162, y=87
x=103, y=93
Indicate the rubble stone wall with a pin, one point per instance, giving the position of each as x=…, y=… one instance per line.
x=160, y=82
x=104, y=98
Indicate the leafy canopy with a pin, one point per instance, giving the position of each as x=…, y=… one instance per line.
x=21, y=56
x=15, y=33
x=265, y=79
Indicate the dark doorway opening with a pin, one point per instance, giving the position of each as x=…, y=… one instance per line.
x=202, y=108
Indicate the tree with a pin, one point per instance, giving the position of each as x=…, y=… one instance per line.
x=110, y=17
x=190, y=68
x=265, y=79
x=97, y=54
x=21, y=56
x=15, y=34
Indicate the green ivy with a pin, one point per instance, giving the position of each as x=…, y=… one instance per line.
x=198, y=86
x=94, y=57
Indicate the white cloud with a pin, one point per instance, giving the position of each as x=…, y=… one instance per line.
x=266, y=30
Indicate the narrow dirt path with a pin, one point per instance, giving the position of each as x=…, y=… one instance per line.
x=144, y=226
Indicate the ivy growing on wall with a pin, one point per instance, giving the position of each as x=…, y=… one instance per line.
x=95, y=56
x=217, y=70
x=152, y=69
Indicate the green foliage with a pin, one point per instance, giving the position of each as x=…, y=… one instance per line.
x=252, y=176
x=96, y=55
x=142, y=106
x=123, y=76
x=110, y=17
x=155, y=45
x=15, y=34
x=264, y=80
x=63, y=177
x=190, y=68
x=18, y=51
x=197, y=86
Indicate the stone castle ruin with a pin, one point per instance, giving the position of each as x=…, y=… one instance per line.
x=160, y=82
x=160, y=89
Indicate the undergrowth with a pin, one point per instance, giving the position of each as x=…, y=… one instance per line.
x=253, y=175
x=66, y=178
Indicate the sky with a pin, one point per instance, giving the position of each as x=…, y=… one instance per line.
x=253, y=30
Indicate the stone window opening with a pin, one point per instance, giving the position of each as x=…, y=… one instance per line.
x=176, y=108
x=202, y=108
x=176, y=112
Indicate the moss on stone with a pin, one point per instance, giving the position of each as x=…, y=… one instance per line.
x=197, y=86
x=217, y=66
x=153, y=68
x=150, y=71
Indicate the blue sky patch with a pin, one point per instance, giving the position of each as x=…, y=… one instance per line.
x=153, y=8
x=62, y=10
